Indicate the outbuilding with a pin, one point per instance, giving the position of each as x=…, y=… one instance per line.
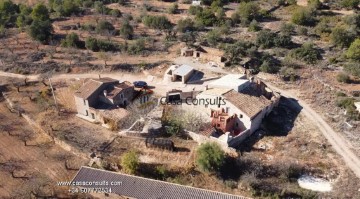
x=237, y=82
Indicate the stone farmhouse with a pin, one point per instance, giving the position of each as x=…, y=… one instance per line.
x=206, y=54
x=100, y=100
x=241, y=114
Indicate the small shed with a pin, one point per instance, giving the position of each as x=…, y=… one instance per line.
x=183, y=73
x=160, y=143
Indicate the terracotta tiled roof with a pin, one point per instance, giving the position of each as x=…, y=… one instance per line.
x=250, y=105
x=91, y=86
x=144, y=188
x=114, y=89
x=88, y=89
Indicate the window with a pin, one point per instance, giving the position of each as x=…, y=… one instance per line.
x=93, y=115
x=84, y=102
x=87, y=112
x=121, y=96
x=240, y=116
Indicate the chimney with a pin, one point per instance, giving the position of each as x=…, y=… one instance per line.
x=105, y=93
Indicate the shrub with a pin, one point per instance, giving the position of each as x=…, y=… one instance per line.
x=104, y=26
x=194, y=10
x=254, y=26
x=210, y=157
x=353, y=68
x=100, y=45
x=343, y=77
x=130, y=162
x=354, y=50
x=265, y=39
x=350, y=4
x=341, y=37
x=282, y=40
x=126, y=30
x=307, y=52
x=303, y=16
x=137, y=47
x=268, y=67
x=115, y=13
x=287, y=28
x=71, y=40
x=173, y=9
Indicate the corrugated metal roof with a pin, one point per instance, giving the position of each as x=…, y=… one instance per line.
x=183, y=70
x=144, y=188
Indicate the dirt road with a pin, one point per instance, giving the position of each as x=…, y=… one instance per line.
x=337, y=141
x=339, y=144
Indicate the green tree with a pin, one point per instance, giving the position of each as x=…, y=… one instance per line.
x=234, y=52
x=40, y=13
x=248, y=11
x=354, y=50
x=126, y=30
x=24, y=18
x=40, y=30
x=206, y=17
x=213, y=37
x=157, y=22
x=184, y=25
x=7, y=10
x=341, y=37
x=130, y=162
x=210, y=157
x=194, y=10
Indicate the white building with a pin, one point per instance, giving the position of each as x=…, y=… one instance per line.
x=249, y=109
x=357, y=105
x=237, y=82
x=196, y=3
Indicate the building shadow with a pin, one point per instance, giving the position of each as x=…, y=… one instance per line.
x=279, y=122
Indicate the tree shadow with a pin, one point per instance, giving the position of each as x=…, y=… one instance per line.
x=151, y=170
x=278, y=123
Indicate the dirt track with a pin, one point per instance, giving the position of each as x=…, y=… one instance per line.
x=337, y=141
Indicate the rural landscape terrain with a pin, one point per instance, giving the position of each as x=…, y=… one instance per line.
x=123, y=90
